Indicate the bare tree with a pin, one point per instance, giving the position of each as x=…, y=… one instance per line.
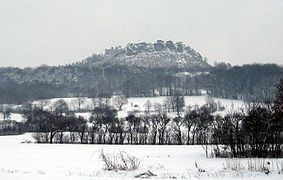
x=120, y=101
x=104, y=100
x=178, y=103
x=178, y=122
x=100, y=102
x=7, y=114
x=190, y=120
x=210, y=103
x=94, y=102
x=1, y=104
x=43, y=103
x=133, y=126
x=80, y=102
x=81, y=124
x=60, y=106
x=158, y=107
x=277, y=123
x=167, y=104
x=147, y=105
x=162, y=123
x=158, y=123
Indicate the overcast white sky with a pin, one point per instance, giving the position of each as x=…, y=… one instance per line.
x=35, y=32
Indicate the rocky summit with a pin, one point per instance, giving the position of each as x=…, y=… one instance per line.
x=152, y=55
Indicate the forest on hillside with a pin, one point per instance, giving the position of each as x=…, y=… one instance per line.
x=247, y=82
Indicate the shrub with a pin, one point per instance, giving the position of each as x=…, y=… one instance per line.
x=41, y=137
x=121, y=161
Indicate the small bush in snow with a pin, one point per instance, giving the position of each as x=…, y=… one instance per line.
x=40, y=137
x=121, y=161
x=254, y=165
x=234, y=164
x=221, y=152
x=260, y=165
x=279, y=166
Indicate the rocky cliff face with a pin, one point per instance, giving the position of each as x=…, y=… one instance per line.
x=153, y=55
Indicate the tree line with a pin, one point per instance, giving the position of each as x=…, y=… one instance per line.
x=255, y=131
x=247, y=82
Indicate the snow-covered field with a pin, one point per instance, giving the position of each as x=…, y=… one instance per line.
x=135, y=104
x=140, y=101
x=14, y=116
x=20, y=158
x=138, y=104
x=65, y=161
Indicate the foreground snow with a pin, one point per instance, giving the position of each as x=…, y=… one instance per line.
x=20, y=160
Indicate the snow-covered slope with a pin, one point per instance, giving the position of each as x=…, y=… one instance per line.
x=137, y=104
x=134, y=104
x=14, y=116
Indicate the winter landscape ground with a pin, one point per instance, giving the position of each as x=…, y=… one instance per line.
x=131, y=89
x=22, y=159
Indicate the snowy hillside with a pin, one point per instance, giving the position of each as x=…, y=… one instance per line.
x=137, y=104
x=14, y=116
x=134, y=104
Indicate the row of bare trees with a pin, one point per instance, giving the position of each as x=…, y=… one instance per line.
x=174, y=103
x=255, y=131
x=103, y=127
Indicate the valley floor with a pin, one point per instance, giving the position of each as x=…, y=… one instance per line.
x=22, y=160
